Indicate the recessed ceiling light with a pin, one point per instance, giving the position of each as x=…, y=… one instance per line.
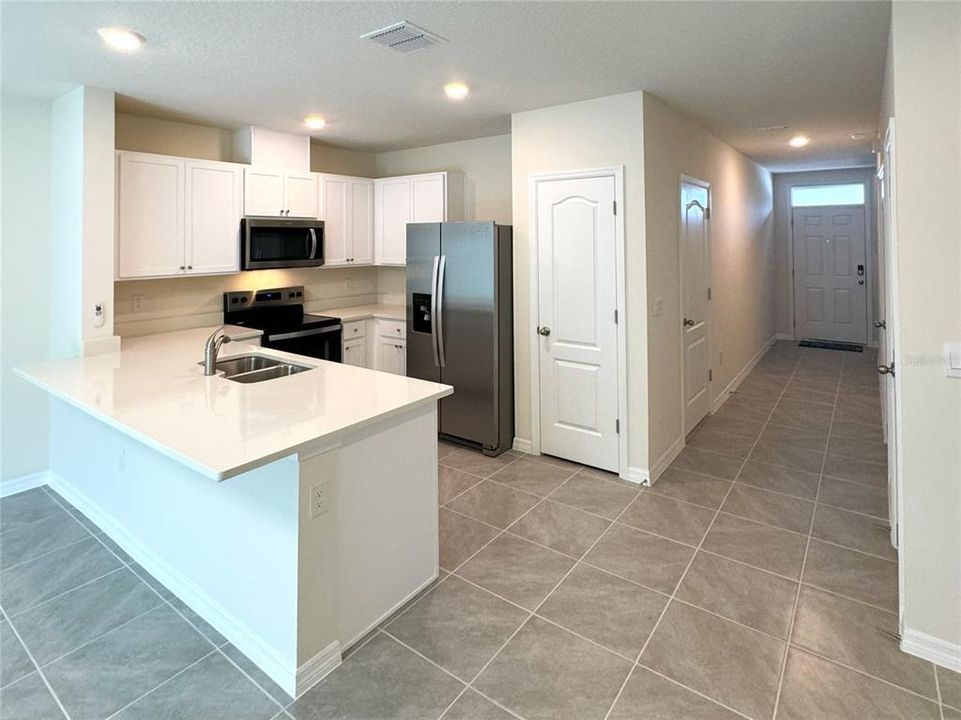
x=315, y=122
x=120, y=38
x=456, y=90
x=799, y=141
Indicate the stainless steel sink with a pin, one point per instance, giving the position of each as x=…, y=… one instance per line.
x=256, y=368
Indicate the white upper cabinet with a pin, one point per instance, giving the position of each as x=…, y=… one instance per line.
x=432, y=197
x=177, y=216
x=347, y=209
x=280, y=193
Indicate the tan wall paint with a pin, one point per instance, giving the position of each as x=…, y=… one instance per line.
x=924, y=90
x=590, y=134
x=742, y=259
x=338, y=161
x=165, y=137
x=485, y=162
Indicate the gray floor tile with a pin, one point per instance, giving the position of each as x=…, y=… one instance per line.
x=117, y=668
x=451, y=483
x=445, y=448
x=545, y=672
x=779, y=478
x=855, y=470
x=24, y=508
x=859, y=449
x=846, y=412
x=212, y=689
x=856, y=497
x=860, y=637
x=789, y=455
x=153, y=582
x=730, y=663
x=763, y=506
x=800, y=414
x=816, y=689
x=442, y=575
x=594, y=494
x=747, y=407
x=14, y=661
x=765, y=385
x=762, y=546
x=950, y=685
x=648, y=696
x=32, y=582
x=674, y=519
x=733, y=424
x=535, y=476
x=561, y=463
x=201, y=625
x=859, y=532
x=458, y=626
x=475, y=463
x=805, y=438
x=471, y=706
x=49, y=533
x=691, y=487
x=256, y=674
x=641, y=557
x=720, y=442
x=853, y=574
x=517, y=570
x=29, y=699
x=868, y=433
x=81, y=615
x=612, y=612
x=705, y=462
x=461, y=537
x=562, y=528
x=381, y=680
x=801, y=391
x=113, y=547
x=748, y=596
x=494, y=503
x=949, y=713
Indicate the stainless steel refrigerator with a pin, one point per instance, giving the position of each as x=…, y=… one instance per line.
x=460, y=326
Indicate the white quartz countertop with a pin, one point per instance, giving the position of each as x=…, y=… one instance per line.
x=365, y=312
x=155, y=390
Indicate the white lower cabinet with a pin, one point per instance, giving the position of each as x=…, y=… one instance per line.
x=390, y=355
x=355, y=352
x=376, y=344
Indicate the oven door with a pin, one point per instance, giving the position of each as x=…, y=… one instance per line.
x=323, y=343
x=275, y=243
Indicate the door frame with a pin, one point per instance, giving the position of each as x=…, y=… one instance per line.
x=533, y=180
x=690, y=180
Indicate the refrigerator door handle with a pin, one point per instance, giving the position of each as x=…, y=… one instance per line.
x=440, y=311
x=433, y=311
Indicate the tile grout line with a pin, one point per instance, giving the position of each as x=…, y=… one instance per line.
x=175, y=675
x=65, y=592
x=36, y=665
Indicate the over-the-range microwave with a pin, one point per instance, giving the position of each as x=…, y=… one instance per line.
x=281, y=243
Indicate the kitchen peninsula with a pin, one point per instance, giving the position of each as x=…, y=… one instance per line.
x=291, y=514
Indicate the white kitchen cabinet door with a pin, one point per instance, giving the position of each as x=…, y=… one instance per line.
x=264, y=192
x=361, y=208
x=334, y=197
x=355, y=352
x=150, y=215
x=300, y=194
x=428, y=198
x=214, y=206
x=391, y=355
x=392, y=208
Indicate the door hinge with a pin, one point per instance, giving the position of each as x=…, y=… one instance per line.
x=615, y=206
x=709, y=293
x=707, y=213
x=615, y=316
x=617, y=426
x=710, y=375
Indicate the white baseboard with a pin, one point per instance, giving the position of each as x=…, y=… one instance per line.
x=264, y=656
x=24, y=482
x=940, y=652
x=722, y=397
x=524, y=446
x=638, y=475
x=666, y=458
x=318, y=667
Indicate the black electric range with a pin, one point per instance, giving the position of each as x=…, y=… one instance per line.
x=279, y=312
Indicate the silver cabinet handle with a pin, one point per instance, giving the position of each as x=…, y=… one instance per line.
x=688, y=322
x=433, y=311
x=886, y=369
x=880, y=324
x=440, y=311
x=544, y=330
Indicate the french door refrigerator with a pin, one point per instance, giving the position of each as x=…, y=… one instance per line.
x=460, y=327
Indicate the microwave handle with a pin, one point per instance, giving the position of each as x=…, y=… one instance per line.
x=313, y=243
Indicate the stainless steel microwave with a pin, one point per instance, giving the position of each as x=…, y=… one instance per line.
x=281, y=243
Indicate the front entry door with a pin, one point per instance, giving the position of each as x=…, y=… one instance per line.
x=695, y=284
x=830, y=290
x=577, y=283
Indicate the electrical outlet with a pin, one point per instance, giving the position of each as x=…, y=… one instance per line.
x=318, y=499
x=138, y=303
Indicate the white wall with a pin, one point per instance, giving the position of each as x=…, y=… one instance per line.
x=594, y=133
x=924, y=90
x=485, y=162
x=25, y=284
x=783, y=182
x=742, y=260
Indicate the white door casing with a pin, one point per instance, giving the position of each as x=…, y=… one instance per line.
x=695, y=282
x=576, y=304
x=830, y=281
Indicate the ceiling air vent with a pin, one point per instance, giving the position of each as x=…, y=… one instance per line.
x=403, y=37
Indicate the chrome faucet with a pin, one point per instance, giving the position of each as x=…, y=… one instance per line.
x=217, y=338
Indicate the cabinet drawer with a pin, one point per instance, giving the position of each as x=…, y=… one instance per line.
x=392, y=328
x=356, y=329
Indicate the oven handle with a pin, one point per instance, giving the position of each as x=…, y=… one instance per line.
x=302, y=333
x=313, y=243
x=433, y=312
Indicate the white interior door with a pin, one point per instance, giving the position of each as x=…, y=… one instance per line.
x=830, y=296
x=695, y=298
x=577, y=334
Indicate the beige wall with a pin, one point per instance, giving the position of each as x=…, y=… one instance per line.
x=338, y=161
x=783, y=182
x=924, y=89
x=147, y=134
x=595, y=133
x=742, y=259
x=485, y=162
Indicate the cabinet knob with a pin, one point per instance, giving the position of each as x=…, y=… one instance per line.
x=182, y=267
x=190, y=267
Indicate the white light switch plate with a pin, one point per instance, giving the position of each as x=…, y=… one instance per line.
x=952, y=360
